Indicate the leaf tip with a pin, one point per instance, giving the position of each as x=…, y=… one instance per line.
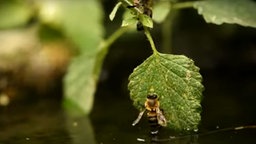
x=113, y=12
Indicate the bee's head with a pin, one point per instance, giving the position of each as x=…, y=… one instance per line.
x=152, y=96
x=151, y=100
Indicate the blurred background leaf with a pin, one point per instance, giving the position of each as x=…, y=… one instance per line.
x=14, y=14
x=161, y=11
x=81, y=22
x=240, y=12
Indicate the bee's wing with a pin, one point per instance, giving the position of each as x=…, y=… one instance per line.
x=160, y=118
x=138, y=118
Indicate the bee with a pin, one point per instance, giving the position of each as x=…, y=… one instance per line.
x=154, y=114
x=146, y=7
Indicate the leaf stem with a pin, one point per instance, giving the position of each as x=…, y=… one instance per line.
x=150, y=39
x=104, y=46
x=183, y=5
x=112, y=38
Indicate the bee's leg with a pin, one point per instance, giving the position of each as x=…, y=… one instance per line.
x=138, y=118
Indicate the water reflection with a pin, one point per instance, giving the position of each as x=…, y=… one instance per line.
x=33, y=122
x=43, y=122
x=46, y=122
x=80, y=129
x=187, y=139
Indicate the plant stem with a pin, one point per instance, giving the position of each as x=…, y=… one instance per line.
x=150, y=39
x=104, y=46
x=183, y=5
x=112, y=38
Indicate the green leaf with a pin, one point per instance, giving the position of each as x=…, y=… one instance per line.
x=113, y=13
x=128, y=22
x=13, y=14
x=161, y=11
x=129, y=19
x=176, y=81
x=81, y=22
x=240, y=12
x=146, y=20
x=80, y=83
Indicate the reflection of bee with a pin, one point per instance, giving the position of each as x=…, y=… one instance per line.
x=154, y=114
x=146, y=7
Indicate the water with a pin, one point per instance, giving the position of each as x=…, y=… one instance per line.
x=44, y=121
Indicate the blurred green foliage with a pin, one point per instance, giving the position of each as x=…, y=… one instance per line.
x=240, y=12
x=13, y=14
x=79, y=22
